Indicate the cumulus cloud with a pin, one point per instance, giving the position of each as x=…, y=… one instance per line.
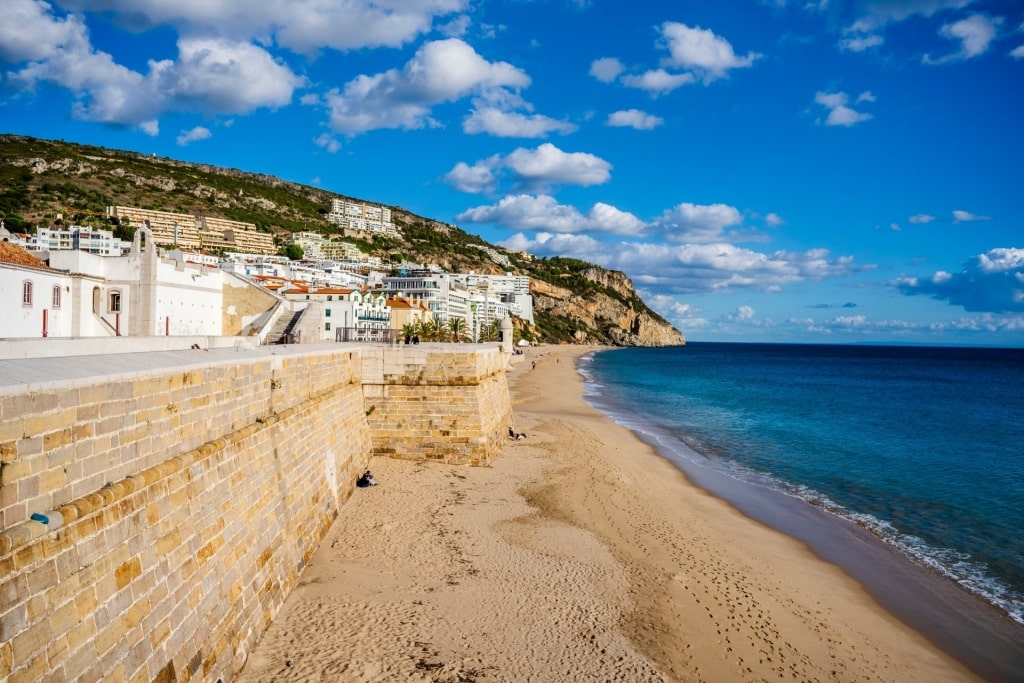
x=692, y=268
x=606, y=69
x=210, y=75
x=510, y=124
x=1017, y=52
x=839, y=114
x=30, y=31
x=536, y=168
x=975, y=34
x=774, y=220
x=480, y=177
x=301, y=25
x=440, y=71
x=992, y=282
x=694, y=54
x=701, y=52
x=544, y=213
x=634, y=118
x=687, y=222
x=189, y=136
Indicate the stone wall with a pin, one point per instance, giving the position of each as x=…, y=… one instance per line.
x=156, y=509
x=178, y=510
x=442, y=402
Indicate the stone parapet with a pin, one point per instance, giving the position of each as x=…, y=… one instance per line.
x=157, y=509
x=437, y=402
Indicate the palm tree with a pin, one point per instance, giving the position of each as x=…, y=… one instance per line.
x=458, y=328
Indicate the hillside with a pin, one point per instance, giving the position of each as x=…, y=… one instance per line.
x=574, y=301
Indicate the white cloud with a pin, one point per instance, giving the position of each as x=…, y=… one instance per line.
x=774, y=220
x=480, y=177
x=975, y=34
x=1017, y=52
x=328, y=142
x=508, y=124
x=301, y=25
x=548, y=164
x=839, y=114
x=920, y=218
x=664, y=270
x=876, y=14
x=210, y=75
x=701, y=52
x=992, y=282
x=544, y=213
x=219, y=75
x=634, y=118
x=29, y=32
x=606, y=69
x=699, y=223
x=658, y=81
x=968, y=217
x=440, y=71
x=197, y=133
x=531, y=169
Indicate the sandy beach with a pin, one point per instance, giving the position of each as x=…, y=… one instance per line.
x=580, y=555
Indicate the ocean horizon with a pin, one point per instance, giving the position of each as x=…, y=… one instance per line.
x=919, y=446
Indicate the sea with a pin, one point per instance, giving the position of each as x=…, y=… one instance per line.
x=920, y=447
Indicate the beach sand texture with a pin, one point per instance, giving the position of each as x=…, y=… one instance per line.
x=580, y=555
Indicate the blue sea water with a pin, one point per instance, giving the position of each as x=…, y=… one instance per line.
x=923, y=446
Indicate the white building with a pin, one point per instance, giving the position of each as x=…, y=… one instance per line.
x=361, y=217
x=347, y=314
x=83, y=237
x=84, y=295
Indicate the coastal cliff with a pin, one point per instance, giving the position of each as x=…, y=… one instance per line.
x=610, y=312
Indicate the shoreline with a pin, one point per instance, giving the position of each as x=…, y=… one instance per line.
x=581, y=554
x=962, y=623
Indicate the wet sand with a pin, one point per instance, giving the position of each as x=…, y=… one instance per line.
x=580, y=555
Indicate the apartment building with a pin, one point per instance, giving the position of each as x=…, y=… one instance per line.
x=78, y=237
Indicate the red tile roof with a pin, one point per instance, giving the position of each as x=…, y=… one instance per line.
x=12, y=253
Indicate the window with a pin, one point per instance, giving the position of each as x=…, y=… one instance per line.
x=26, y=293
x=327, y=327
x=328, y=313
x=56, y=296
x=114, y=302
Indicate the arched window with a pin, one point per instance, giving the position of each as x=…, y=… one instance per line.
x=96, y=298
x=56, y=296
x=26, y=293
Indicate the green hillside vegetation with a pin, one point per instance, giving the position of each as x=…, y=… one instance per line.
x=42, y=179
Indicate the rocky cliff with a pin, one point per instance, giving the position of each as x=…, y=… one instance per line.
x=609, y=313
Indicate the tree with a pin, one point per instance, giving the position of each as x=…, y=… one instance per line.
x=457, y=326
x=292, y=251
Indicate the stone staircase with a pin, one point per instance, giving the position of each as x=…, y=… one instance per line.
x=281, y=332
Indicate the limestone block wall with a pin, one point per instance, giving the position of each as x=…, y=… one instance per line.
x=178, y=508
x=441, y=402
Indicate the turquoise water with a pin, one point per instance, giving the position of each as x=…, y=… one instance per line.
x=923, y=446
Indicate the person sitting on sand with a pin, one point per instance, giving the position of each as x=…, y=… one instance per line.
x=366, y=479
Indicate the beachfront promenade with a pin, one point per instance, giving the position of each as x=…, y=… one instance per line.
x=158, y=507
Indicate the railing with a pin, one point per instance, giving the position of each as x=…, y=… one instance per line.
x=364, y=335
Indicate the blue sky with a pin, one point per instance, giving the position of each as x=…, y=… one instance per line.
x=763, y=170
